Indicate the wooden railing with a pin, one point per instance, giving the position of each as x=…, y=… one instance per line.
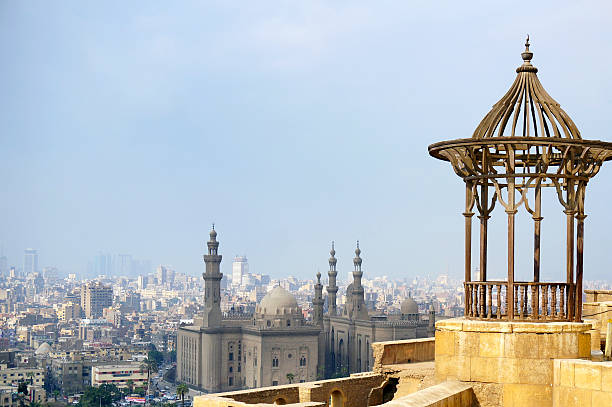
x=532, y=301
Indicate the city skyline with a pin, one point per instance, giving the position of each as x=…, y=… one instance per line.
x=193, y=122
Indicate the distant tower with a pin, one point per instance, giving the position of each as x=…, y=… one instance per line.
x=432, y=320
x=358, y=309
x=212, y=283
x=317, y=302
x=332, y=288
x=240, y=268
x=30, y=261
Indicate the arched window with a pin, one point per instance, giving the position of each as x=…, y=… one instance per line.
x=288, y=322
x=275, y=361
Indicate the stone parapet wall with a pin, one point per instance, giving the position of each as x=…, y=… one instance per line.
x=582, y=383
x=448, y=394
x=355, y=391
x=508, y=363
x=600, y=311
x=400, y=352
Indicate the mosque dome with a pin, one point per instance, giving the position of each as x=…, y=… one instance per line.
x=409, y=306
x=277, y=302
x=43, y=349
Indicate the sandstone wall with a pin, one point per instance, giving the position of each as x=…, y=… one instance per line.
x=508, y=363
x=400, y=352
x=582, y=383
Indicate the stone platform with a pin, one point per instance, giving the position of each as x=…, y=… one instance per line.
x=508, y=363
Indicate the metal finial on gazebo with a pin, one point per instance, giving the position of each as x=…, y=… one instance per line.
x=524, y=143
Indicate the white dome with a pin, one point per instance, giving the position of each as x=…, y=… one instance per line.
x=278, y=301
x=43, y=349
x=409, y=306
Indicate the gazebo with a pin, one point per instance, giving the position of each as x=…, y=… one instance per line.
x=526, y=142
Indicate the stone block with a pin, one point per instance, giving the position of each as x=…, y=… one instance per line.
x=487, y=326
x=548, y=346
x=535, y=371
x=462, y=366
x=572, y=397
x=584, y=345
x=525, y=346
x=444, y=365
x=587, y=375
x=566, y=373
x=576, y=326
x=485, y=369
x=445, y=343
x=453, y=324
x=466, y=343
x=534, y=327
x=491, y=345
x=601, y=398
x=606, y=376
x=509, y=371
x=525, y=395
x=568, y=346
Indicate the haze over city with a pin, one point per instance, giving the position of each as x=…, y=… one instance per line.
x=130, y=128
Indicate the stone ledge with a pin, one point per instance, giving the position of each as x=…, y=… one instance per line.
x=451, y=393
x=469, y=325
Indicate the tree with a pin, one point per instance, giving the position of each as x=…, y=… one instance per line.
x=130, y=385
x=102, y=396
x=151, y=367
x=181, y=390
x=55, y=394
x=22, y=392
x=157, y=356
x=290, y=377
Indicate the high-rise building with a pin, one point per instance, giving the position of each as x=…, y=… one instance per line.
x=30, y=261
x=94, y=298
x=123, y=265
x=3, y=265
x=162, y=274
x=240, y=268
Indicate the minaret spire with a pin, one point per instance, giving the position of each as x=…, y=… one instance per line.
x=332, y=289
x=358, y=307
x=212, y=283
x=317, y=302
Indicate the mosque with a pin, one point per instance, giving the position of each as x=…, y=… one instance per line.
x=276, y=345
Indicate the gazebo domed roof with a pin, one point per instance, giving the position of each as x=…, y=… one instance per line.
x=527, y=110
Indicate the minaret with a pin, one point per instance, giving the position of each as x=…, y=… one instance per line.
x=432, y=320
x=212, y=283
x=359, y=308
x=332, y=288
x=317, y=302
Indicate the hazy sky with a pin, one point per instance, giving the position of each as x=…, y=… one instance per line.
x=130, y=127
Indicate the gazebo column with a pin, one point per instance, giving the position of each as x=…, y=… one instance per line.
x=569, y=262
x=537, y=225
x=469, y=202
x=484, y=217
x=579, y=264
x=511, y=211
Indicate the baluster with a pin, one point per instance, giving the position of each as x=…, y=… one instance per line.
x=562, y=301
x=475, y=301
x=545, y=301
x=499, y=294
x=507, y=301
x=466, y=290
x=553, y=305
x=482, y=301
x=534, y=310
x=523, y=291
x=516, y=298
x=490, y=301
x=526, y=302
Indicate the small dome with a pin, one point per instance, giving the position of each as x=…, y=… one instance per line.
x=277, y=302
x=43, y=349
x=409, y=306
